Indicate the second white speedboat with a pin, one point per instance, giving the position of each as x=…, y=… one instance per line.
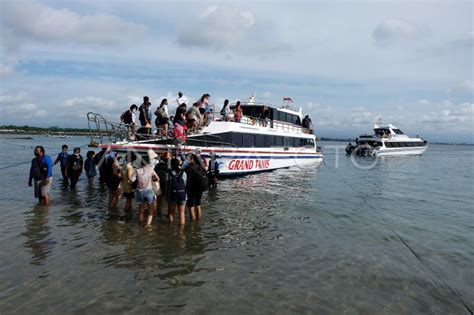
x=387, y=140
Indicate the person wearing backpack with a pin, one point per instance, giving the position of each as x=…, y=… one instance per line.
x=41, y=172
x=128, y=118
x=75, y=164
x=198, y=182
x=162, y=169
x=176, y=194
x=162, y=118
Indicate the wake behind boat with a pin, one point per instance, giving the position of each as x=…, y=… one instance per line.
x=265, y=138
x=387, y=140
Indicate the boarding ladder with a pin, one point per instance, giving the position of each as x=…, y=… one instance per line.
x=101, y=130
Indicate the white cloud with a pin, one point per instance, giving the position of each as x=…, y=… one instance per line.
x=217, y=27
x=18, y=106
x=86, y=104
x=461, y=117
x=396, y=29
x=230, y=30
x=464, y=41
x=423, y=102
x=30, y=19
x=12, y=99
x=466, y=86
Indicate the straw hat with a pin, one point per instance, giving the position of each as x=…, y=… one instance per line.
x=152, y=155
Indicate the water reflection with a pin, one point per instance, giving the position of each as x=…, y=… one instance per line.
x=37, y=234
x=167, y=252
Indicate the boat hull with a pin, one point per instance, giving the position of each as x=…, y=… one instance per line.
x=236, y=161
x=400, y=151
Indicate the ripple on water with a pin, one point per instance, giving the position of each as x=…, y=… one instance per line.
x=313, y=241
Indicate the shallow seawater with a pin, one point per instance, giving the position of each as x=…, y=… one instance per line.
x=396, y=238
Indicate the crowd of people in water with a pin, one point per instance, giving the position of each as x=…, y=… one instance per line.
x=146, y=180
x=152, y=178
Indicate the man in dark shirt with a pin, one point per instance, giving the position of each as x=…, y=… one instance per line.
x=145, y=113
x=62, y=159
x=41, y=172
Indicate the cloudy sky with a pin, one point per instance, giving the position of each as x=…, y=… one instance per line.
x=347, y=63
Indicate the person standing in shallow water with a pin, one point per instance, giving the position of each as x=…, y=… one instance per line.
x=41, y=171
x=62, y=159
x=89, y=167
x=128, y=174
x=75, y=163
x=114, y=178
x=195, y=186
x=161, y=169
x=176, y=192
x=144, y=193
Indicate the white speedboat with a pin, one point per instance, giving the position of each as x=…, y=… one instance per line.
x=387, y=140
x=252, y=145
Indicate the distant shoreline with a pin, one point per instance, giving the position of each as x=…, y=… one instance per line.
x=56, y=131
x=52, y=131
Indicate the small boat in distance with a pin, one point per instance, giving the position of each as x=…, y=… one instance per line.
x=387, y=140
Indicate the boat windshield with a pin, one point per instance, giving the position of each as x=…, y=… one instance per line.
x=398, y=131
x=382, y=131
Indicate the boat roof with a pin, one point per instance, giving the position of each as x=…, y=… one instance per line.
x=285, y=109
x=380, y=125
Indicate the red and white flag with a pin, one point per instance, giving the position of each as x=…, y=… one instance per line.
x=287, y=99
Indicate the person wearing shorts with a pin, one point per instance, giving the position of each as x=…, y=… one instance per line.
x=41, y=171
x=128, y=174
x=144, y=193
x=193, y=189
x=176, y=194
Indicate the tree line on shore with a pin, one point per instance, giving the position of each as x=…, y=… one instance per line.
x=41, y=130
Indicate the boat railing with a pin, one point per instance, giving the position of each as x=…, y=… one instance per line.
x=101, y=129
x=275, y=124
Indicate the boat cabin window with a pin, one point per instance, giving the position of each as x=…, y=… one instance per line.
x=371, y=143
x=236, y=139
x=404, y=144
x=398, y=131
x=382, y=131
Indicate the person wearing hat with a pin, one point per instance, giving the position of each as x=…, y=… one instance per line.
x=152, y=157
x=75, y=164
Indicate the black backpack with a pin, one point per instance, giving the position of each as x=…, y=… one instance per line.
x=39, y=170
x=200, y=177
x=126, y=117
x=176, y=186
